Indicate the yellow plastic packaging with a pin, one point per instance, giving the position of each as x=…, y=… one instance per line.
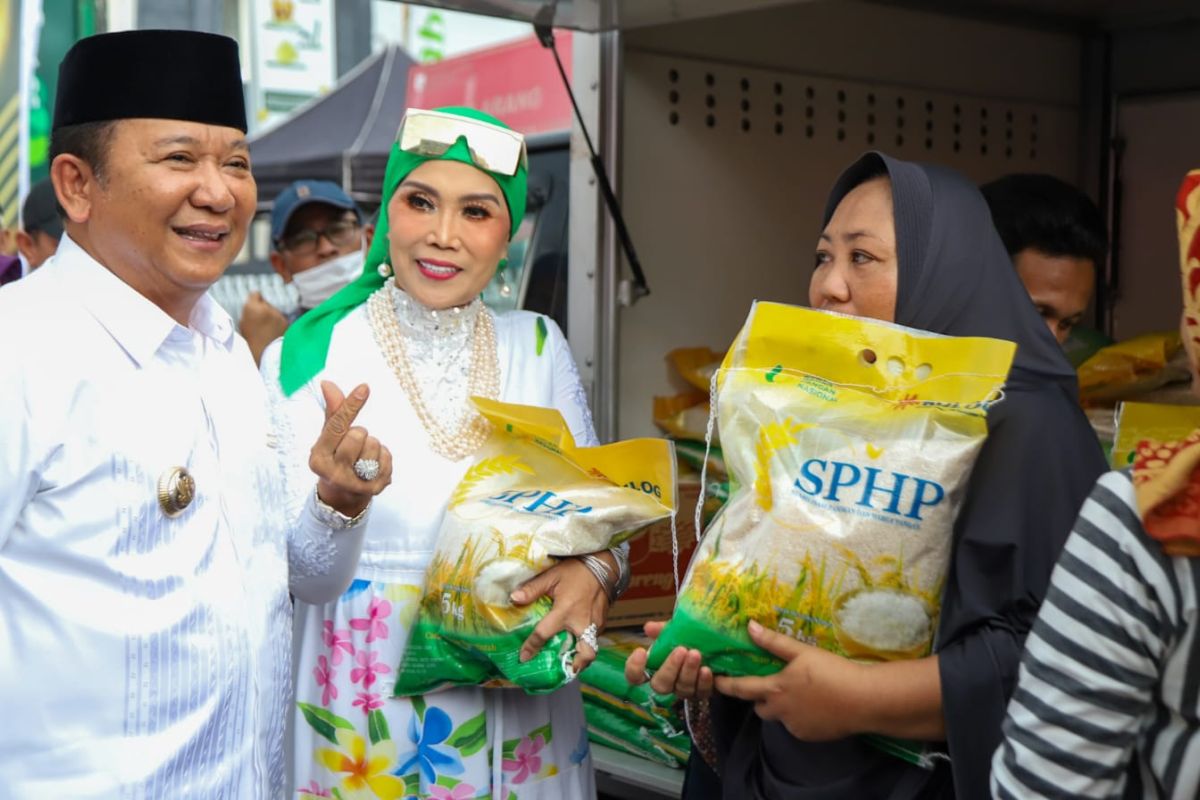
x=1157, y=422
x=695, y=365
x=1131, y=367
x=849, y=444
x=684, y=416
x=532, y=497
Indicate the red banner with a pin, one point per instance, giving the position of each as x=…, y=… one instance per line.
x=517, y=82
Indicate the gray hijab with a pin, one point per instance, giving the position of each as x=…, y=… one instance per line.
x=956, y=277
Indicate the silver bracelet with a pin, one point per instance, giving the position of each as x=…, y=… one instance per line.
x=603, y=574
x=621, y=555
x=330, y=517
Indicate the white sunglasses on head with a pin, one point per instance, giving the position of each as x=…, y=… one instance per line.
x=432, y=133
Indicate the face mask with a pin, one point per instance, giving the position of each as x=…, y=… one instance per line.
x=318, y=284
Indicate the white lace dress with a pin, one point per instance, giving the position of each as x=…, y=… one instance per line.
x=452, y=745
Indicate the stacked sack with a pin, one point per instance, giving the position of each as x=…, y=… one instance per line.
x=1151, y=368
x=633, y=719
x=684, y=417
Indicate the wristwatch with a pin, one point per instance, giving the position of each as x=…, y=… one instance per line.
x=330, y=517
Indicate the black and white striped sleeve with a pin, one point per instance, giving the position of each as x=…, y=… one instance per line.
x=1094, y=659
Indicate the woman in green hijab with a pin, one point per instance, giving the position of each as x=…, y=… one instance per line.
x=413, y=328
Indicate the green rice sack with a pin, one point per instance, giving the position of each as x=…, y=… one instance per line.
x=604, y=684
x=613, y=730
x=532, y=497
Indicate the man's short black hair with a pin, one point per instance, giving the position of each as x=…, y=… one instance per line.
x=89, y=141
x=1048, y=215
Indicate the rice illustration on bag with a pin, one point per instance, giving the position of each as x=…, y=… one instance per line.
x=531, y=497
x=849, y=445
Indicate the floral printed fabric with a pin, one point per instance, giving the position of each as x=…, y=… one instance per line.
x=354, y=741
x=1166, y=475
x=350, y=691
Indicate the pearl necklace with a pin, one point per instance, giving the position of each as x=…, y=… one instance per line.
x=402, y=326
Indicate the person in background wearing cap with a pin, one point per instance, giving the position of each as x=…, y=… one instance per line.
x=41, y=226
x=145, y=622
x=318, y=239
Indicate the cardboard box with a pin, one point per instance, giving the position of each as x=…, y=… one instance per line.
x=651, y=593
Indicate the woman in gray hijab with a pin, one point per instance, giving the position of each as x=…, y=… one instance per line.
x=914, y=244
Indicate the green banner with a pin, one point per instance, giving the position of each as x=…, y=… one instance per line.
x=10, y=109
x=64, y=23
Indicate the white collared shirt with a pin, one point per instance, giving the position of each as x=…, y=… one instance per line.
x=140, y=656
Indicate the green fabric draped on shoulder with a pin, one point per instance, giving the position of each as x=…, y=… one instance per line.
x=306, y=343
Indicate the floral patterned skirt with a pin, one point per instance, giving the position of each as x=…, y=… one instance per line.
x=352, y=739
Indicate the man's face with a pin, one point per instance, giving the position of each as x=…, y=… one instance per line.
x=172, y=206
x=1060, y=286
x=36, y=246
x=315, y=233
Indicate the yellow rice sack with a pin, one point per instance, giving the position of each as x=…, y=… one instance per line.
x=695, y=365
x=1132, y=367
x=1150, y=422
x=683, y=416
x=531, y=498
x=849, y=444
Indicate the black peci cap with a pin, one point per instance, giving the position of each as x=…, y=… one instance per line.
x=152, y=74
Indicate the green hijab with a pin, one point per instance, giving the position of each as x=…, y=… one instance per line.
x=306, y=343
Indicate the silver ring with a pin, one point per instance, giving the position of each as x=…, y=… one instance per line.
x=588, y=637
x=367, y=469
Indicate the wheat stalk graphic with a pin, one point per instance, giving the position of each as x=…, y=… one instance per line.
x=772, y=437
x=487, y=468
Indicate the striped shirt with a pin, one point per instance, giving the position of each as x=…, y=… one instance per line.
x=1108, y=699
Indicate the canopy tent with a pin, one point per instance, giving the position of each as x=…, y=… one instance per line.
x=603, y=15
x=606, y=15
x=343, y=136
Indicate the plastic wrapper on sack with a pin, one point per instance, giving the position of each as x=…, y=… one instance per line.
x=1156, y=422
x=849, y=443
x=1132, y=368
x=618, y=733
x=651, y=593
x=604, y=684
x=530, y=498
x=645, y=721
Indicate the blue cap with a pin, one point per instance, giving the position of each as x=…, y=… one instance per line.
x=301, y=193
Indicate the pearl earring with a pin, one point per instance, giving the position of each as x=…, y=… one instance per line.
x=505, y=288
x=385, y=269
